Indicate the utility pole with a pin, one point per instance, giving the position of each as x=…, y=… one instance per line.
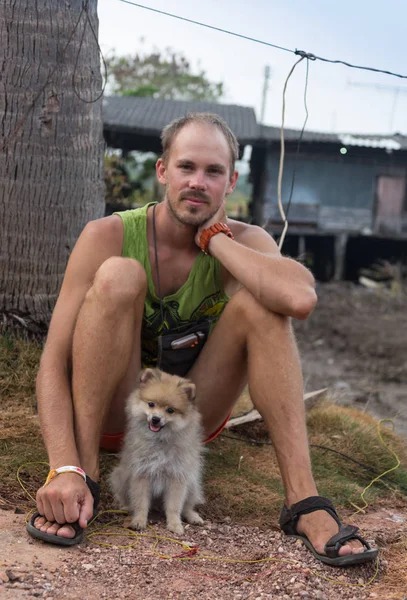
x=397, y=90
x=267, y=72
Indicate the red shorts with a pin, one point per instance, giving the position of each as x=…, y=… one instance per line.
x=113, y=443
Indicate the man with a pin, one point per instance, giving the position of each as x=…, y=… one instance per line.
x=107, y=314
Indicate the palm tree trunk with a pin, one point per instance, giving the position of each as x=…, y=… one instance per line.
x=51, y=149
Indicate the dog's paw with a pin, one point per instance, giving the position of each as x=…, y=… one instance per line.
x=193, y=518
x=138, y=524
x=175, y=526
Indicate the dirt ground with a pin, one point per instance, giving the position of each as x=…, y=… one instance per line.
x=281, y=568
x=355, y=343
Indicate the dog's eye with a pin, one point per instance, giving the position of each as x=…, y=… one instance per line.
x=151, y=404
x=170, y=410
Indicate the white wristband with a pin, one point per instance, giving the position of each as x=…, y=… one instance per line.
x=68, y=469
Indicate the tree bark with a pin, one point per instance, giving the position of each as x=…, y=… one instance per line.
x=51, y=148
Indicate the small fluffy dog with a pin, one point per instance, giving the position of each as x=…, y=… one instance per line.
x=162, y=451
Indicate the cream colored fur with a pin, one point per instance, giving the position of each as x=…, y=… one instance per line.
x=162, y=451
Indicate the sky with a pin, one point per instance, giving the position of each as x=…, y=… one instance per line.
x=364, y=32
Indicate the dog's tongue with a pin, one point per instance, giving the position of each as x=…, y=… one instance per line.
x=154, y=427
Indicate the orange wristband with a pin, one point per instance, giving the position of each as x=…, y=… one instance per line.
x=208, y=233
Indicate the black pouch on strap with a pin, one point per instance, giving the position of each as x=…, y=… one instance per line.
x=178, y=351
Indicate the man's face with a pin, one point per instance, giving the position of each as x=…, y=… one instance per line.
x=197, y=174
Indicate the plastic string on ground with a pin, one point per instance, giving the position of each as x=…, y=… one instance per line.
x=343, y=455
x=189, y=553
x=396, y=466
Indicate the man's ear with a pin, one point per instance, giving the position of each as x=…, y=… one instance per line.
x=148, y=374
x=161, y=171
x=232, y=183
x=189, y=389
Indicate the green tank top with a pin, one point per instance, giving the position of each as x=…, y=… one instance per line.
x=202, y=295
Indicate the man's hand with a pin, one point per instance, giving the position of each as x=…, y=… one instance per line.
x=218, y=217
x=66, y=499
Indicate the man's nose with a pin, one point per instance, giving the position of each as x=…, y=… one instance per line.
x=197, y=181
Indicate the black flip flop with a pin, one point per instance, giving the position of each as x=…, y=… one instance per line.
x=289, y=520
x=57, y=539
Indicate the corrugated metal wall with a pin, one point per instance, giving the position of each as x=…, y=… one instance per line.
x=329, y=193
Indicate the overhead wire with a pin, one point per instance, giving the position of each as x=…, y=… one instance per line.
x=282, y=157
x=297, y=52
x=347, y=64
x=301, y=53
x=220, y=29
x=283, y=212
x=299, y=140
x=309, y=56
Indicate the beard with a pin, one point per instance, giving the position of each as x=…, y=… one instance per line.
x=191, y=215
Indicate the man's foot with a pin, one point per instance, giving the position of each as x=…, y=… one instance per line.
x=314, y=521
x=319, y=527
x=66, y=531
x=66, y=534
x=52, y=532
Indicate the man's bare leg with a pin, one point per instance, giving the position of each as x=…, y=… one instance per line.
x=106, y=361
x=107, y=336
x=251, y=340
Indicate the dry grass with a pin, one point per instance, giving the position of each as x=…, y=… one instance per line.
x=393, y=583
x=20, y=440
x=18, y=366
x=355, y=434
x=242, y=479
x=247, y=489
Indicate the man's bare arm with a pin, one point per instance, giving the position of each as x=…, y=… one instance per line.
x=99, y=240
x=254, y=261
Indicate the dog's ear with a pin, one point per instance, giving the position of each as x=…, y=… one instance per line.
x=189, y=389
x=149, y=374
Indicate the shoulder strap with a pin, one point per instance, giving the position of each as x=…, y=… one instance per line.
x=156, y=268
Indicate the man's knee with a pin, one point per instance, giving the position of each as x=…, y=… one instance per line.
x=118, y=282
x=244, y=308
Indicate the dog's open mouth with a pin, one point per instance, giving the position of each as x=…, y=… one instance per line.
x=155, y=427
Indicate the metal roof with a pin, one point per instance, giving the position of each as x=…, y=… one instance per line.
x=129, y=119
x=148, y=116
x=388, y=142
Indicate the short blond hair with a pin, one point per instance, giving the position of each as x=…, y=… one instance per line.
x=171, y=130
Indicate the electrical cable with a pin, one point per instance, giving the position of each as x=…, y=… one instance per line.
x=367, y=467
x=347, y=64
x=190, y=551
x=299, y=141
x=301, y=53
x=282, y=154
x=58, y=66
x=245, y=37
x=88, y=20
x=42, y=89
